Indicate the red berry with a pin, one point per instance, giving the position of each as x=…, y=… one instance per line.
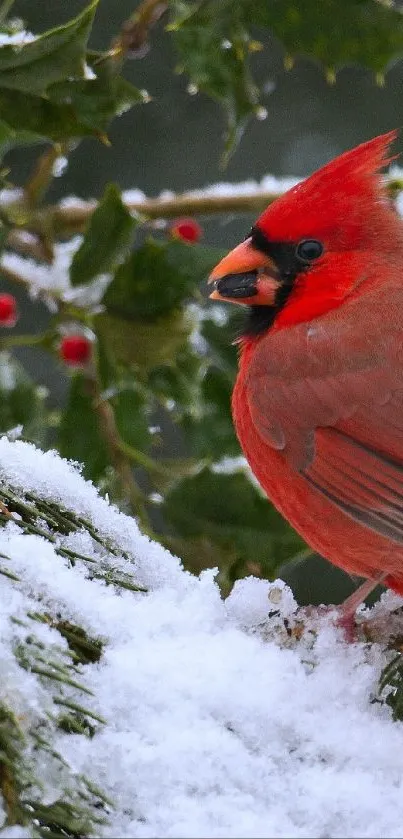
x=8, y=310
x=75, y=350
x=187, y=229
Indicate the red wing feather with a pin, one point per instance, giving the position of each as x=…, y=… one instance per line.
x=365, y=484
x=331, y=400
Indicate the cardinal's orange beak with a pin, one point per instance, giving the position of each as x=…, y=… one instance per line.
x=246, y=276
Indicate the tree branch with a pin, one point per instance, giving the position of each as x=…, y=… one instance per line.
x=132, y=40
x=28, y=244
x=70, y=220
x=65, y=221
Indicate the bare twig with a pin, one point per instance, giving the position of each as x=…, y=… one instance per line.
x=42, y=174
x=28, y=244
x=132, y=40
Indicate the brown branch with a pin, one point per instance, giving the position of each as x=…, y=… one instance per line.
x=27, y=244
x=65, y=221
x=132, y=40
x=70, y=220
x=42, y=175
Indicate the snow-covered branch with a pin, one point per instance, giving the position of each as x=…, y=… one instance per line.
x=172, y=712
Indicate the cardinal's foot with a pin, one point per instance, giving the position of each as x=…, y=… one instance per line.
x=347, y=610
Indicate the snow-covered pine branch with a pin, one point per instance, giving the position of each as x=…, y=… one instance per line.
x=166, y=711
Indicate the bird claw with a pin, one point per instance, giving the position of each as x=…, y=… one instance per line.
x=347, y=623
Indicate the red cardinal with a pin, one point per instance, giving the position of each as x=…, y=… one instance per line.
x=318, y=402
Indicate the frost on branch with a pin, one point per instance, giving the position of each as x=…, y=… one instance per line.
x=134, y=701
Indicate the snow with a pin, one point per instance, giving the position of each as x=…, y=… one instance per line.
x=230, y=465
x=11, y=196
x=220, y=720
x=16, y=39
x=133, y=196
x=60, y=166
x=52, y=282
x=268, y=183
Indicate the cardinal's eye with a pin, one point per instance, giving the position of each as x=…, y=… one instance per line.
x=308, y=250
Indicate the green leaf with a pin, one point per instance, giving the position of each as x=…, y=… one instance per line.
x=56, y=55
x=11, y=137
x=80, y=438
x=95, y=102
x=46, y=96
x=202, y=391
x=208, y=427
x=33, y=119
x=140, y=345
x=157, y=277
x=39, y=118
x=200, y=552
x=221, y=336
x=213, y=46
x=228, y=510
x=21, y=401
x=179, y=379
x=131, y=418
x=107, y=237
x=334, y=32
x=390, y=687
x=215, y=43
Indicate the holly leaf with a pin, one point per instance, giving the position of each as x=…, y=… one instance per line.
x=12, y=137
x=179, y=379
x=96, y=101
x=228, y=510
x=56, y=55
x=35, y=118
x=215, y=43
x=45, y=91
x=134, y=344
x=32, y=119
x=21, y=401
x=213, y=46
x=157, y=277
x=208, y=425
x=334, y=32
x=200, y=552
x=106, y=239
x=79, y=436
x=131, y=417
x=220, y=337
x=200, y=386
